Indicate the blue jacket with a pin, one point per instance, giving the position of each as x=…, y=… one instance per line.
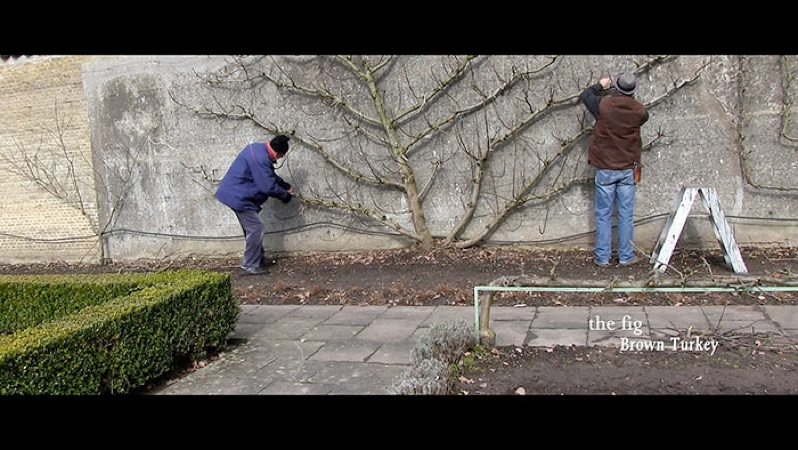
x=251, y=180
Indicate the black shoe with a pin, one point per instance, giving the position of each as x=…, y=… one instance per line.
x=601, y=264
x=631, y=262
x=255, y=270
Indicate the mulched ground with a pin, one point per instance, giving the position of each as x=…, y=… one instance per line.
x=448, y=276
x=746, y=370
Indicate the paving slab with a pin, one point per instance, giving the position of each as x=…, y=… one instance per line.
x=294, y=388
x=784, y=316
x=509, y=332
x=443, y=313
x=389, y=330
x=351, y=350
x=716, y=314
x=393, y=354
x=356, y=315
x=553, y=337
x=416, y=313
x=745, y=327
x=561, y=317
x=665, y=333
x=264, y=313
x=319, y=312
x=335, y=332
x=245, y=330
x=512, y=313
x=420, y=331
x=676, y=317
x=360, y=378
x=288, y=327
x=614, y=337
x=218, y=386
x=290, y=370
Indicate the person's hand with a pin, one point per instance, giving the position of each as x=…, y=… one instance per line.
x=605, y=82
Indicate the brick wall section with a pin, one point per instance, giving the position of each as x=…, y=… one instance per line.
x=44, y=125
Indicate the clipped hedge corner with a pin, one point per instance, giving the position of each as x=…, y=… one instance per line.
x=108, y=334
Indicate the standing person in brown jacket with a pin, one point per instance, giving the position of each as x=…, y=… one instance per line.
x=614, y=151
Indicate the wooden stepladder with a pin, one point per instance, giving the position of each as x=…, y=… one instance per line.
x=675, y=223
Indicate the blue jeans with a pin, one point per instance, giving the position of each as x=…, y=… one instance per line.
x=614, y=187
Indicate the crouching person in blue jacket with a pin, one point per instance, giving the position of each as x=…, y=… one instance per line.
x=246, y=186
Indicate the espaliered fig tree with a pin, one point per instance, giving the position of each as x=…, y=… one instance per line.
x=390, y=141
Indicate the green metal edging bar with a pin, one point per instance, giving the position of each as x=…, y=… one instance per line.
x=477, y=289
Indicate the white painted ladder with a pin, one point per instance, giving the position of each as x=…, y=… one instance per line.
x=675, y=223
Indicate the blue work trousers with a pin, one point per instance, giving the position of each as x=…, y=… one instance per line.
x=252, y=225
x=614, y=187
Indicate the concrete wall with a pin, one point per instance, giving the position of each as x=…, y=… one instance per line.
x=159, y=145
